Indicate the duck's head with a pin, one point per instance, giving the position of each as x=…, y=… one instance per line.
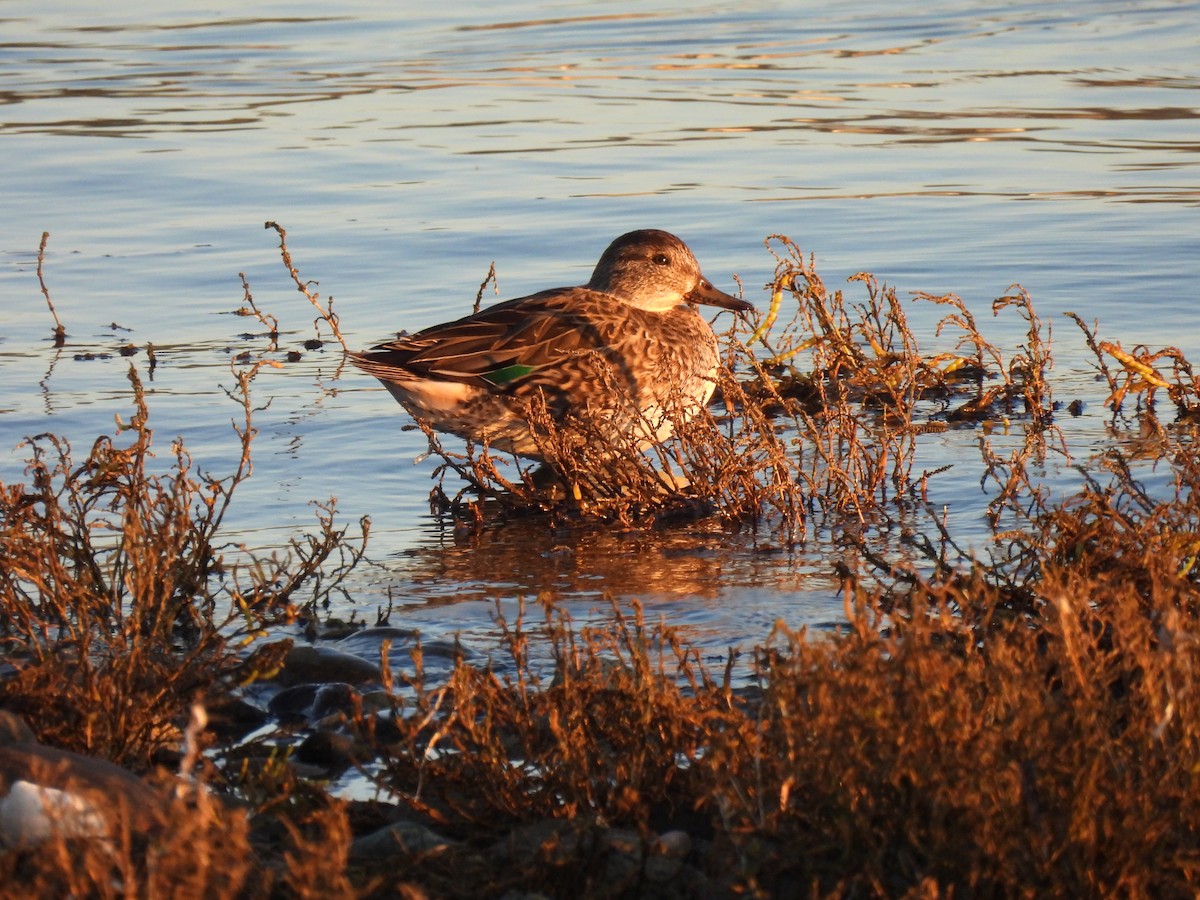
x=655, y=271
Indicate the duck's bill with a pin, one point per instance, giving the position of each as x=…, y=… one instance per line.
x=708, y=295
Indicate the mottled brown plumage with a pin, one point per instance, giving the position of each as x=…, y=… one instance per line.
x=618, y=351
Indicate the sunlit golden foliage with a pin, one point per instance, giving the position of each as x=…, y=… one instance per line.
x=117, y=607
x=1017, y=720
x=991, y=730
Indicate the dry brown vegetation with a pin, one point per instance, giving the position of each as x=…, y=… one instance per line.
x=836, y=434
x=116, y=603
x=1019, y=722
x=119, y=610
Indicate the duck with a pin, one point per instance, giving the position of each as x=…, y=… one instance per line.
x=625, y=355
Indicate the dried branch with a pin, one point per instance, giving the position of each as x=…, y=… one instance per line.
x=60, y=330
x=327, y=314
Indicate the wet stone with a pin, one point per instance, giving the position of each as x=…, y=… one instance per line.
x=553, y=840
x=448, y=650
x=661, y=869
x=367, y=643
x=331, y=750
x=385, y=727
x=308, y=771
x=304, y=702
x=231, y=717
x=377, y=701
x=307, y=664
x=673, y=843
x=625, y=854
x=402, y=837
x=373, y=637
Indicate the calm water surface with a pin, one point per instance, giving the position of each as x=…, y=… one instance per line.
x=960, y=148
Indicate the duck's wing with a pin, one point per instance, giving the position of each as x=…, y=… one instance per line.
x=503, y=344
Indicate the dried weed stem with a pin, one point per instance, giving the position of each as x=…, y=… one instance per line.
x=60, y=330
x=325, y=313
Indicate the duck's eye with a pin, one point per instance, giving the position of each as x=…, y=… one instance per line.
x=660, y=259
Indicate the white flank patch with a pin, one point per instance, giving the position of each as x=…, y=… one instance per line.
x=435, y=398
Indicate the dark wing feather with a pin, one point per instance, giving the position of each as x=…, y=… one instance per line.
x=502, y=344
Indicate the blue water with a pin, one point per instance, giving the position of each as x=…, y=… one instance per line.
x=959, y=148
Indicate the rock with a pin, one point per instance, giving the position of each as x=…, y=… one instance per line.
x=673, y=843
x=308, y=771
x=332, y=699
x=554, y=840
x=45, y=791
x=661, y=869
x=330, y=749
x=691, y=882
x=312, y=701
x=399, y=837
x=32, y=813
x=447, y=650
x=378, y=701
x=368, y=642
x=624, y=856
x=308, y=664
x=292, y=704
x=232, y=718
x=666, y=856
x=366, y=639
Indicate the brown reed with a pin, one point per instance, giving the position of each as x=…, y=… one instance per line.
x=1021, y=720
